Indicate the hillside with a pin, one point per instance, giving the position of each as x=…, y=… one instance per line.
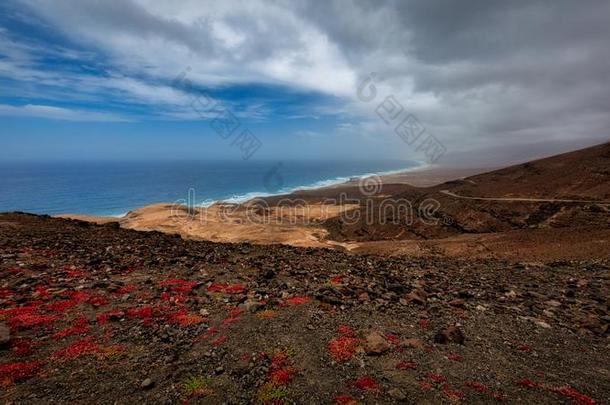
x=96, y=313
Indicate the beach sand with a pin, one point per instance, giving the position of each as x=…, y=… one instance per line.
x=290, y=219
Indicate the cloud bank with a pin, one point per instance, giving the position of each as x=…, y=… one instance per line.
x=480, y=75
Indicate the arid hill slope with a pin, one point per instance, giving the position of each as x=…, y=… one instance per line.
x=451, y=210
x=99, y=314
x=583, y=174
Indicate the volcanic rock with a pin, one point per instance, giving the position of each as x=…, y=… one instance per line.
x=451, y=334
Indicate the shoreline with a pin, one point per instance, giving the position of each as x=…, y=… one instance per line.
x=418, y=176
x=278, y=222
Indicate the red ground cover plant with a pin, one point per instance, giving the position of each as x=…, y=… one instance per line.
x=31, y=320
x=425, y=385
x=114, y=314
x=220, y=340
x=31, y=308
x=406, y=365
x=454, y=357
x=80, y=326
x=144, y=312
x=527, y=383
x=477, y=386
x=283, y=376
x=178, y=286
x=235, y=312
x=23, y=347
x=235, y=289
x=126, y=289
x=14, y=270
x=42, y=292
x=346, y=330
x=98, y=300
x=484, y=389
x=367, y=384
x=75, y=273
x=216, y=287
x=452, y=394
x=61, y=306
x=574, y=395
x=392, y=338
x=566, y=391
x=183, y=318
x=6, y=293
x=296, y=301
x=229, y=321
x=343, y=348
x=345, y=400
x=437, y=378
x=179, y=299
x=15, y=372
x=337, y=280
x=227, y=288
x=75, y=298
x=424, y=323
x=78, y=348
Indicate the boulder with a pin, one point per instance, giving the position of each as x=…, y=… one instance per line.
x=451, y=334
x=376, y=344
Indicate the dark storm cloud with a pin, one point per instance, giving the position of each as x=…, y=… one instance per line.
x=511, y=72
x=480, y=74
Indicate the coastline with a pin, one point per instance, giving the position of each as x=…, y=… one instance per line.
x=417, y=176
x=230, y=221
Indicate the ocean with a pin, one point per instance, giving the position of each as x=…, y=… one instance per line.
x=114, y=188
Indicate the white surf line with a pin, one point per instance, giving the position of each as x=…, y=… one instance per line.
x=451, y=194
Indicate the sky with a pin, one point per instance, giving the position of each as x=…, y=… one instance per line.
x=489, y=82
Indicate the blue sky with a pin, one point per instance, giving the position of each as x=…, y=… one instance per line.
x=97, y=79
x=85, y=106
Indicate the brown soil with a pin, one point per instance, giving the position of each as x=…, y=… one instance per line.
x=442, y=220
x=96, y=313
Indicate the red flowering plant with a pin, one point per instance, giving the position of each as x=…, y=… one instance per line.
x=344, y=347
x=15, y=372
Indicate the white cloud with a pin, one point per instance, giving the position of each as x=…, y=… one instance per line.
x=477, y=75
x=58, y=113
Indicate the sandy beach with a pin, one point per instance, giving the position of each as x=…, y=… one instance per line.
x=292, y=219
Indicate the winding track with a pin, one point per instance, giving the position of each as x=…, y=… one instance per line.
x=452, y=194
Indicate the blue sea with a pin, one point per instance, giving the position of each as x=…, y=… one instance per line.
x=115, y=188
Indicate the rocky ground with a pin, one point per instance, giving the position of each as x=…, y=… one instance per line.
x=95, y=313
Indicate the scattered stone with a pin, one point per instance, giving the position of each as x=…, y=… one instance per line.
x=251, y=305
x=451, y=334
x=147, y=384
x=457, y=303
x=417, y=296
x=511, y=294
x=376, y=343
x=542, y=324
x=554, y=303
